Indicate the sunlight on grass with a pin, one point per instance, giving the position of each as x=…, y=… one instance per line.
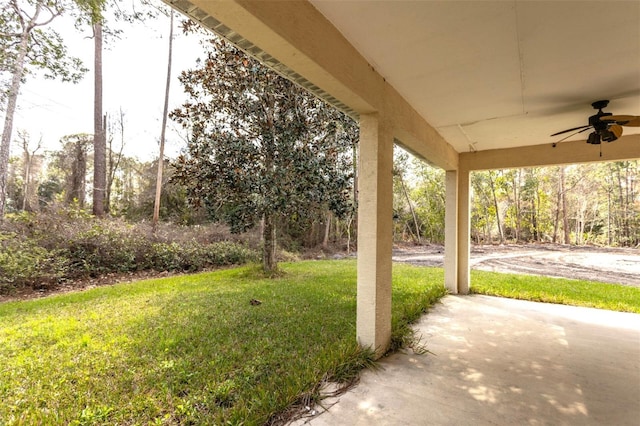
x=557, y=290
x=190, y=349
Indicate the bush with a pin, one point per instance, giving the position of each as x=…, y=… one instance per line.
x=195, y=256
x=23, y=263
x=39, y=250
x=164, y=257
x=102, y=249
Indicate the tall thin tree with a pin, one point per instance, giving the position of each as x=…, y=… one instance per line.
x=165, y=113
x=99, y=137
x=113, y=158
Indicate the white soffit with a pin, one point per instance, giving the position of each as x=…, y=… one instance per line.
x=499, y=74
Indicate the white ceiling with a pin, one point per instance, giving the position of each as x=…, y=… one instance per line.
x=497, y=74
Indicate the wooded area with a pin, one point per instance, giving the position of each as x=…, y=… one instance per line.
x=596, y=203
x=273, y=154
x=579, y=204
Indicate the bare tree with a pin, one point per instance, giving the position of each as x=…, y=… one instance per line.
x=29, y=162
x=114, y=158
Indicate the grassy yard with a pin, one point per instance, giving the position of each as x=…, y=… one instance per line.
x=557, y=290
x=191, y=349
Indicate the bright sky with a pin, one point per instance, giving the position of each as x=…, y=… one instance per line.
x=134, y=72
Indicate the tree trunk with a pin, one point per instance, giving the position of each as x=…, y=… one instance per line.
x=516, y=198
x=350, y=221
x=495, y=205
x=29, y=158
x=107, y=167
x=608, y=216
x=622, y=213
x=78, y=174
x=556, y=222
x=99, y=141
x=413, y=213
x=565, y=217
x=581, y=223
x=114, y=163
x=327, y=229
x=27, y=177
x=156, y=204
x=269, y=263
x=12, y=100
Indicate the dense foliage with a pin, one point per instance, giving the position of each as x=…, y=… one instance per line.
x=43, y=250
x=260, y=147
x=595, y=203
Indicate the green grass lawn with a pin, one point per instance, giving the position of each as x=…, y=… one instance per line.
x=557, y=290
x=191, y=349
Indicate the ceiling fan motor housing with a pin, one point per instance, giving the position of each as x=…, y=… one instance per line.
x=601, y=128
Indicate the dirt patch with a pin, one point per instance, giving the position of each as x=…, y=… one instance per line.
x=603, y=264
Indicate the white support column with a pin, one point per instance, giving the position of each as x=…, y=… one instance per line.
x=451, y=232
x=375, y=221
x=464, y=235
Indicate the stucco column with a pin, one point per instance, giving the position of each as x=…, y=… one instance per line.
x=375, y=221
x=464, y=236
x=451, y=232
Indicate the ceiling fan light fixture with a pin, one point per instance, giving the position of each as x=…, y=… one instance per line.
x=594, y=139
x=607, y=135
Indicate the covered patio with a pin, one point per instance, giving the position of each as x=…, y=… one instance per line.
x=498, y=361
x=464, y=85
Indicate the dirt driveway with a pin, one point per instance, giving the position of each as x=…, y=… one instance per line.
x=611, y=265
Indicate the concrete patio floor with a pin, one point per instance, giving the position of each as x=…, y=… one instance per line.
x=503, y=362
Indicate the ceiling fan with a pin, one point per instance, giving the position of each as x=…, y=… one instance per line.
x=607, y=127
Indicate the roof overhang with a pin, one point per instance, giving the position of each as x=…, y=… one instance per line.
x=455, y=76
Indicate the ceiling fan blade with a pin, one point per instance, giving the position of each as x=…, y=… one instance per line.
x=571, y=130
x=616, y=130
x=572, y=134
x=623, y=120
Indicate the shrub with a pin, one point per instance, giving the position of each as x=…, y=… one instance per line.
x=23, y=263
x=102, y=249
x=229, y=253
x=42, y=249
x=193, y=256
x=164, y=257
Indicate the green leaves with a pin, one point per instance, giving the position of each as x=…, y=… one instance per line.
x=28, y=20
x=260, y=145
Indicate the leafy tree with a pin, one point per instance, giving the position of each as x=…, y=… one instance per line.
x=429, y=196
x=261, y=149
x=26, y=44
